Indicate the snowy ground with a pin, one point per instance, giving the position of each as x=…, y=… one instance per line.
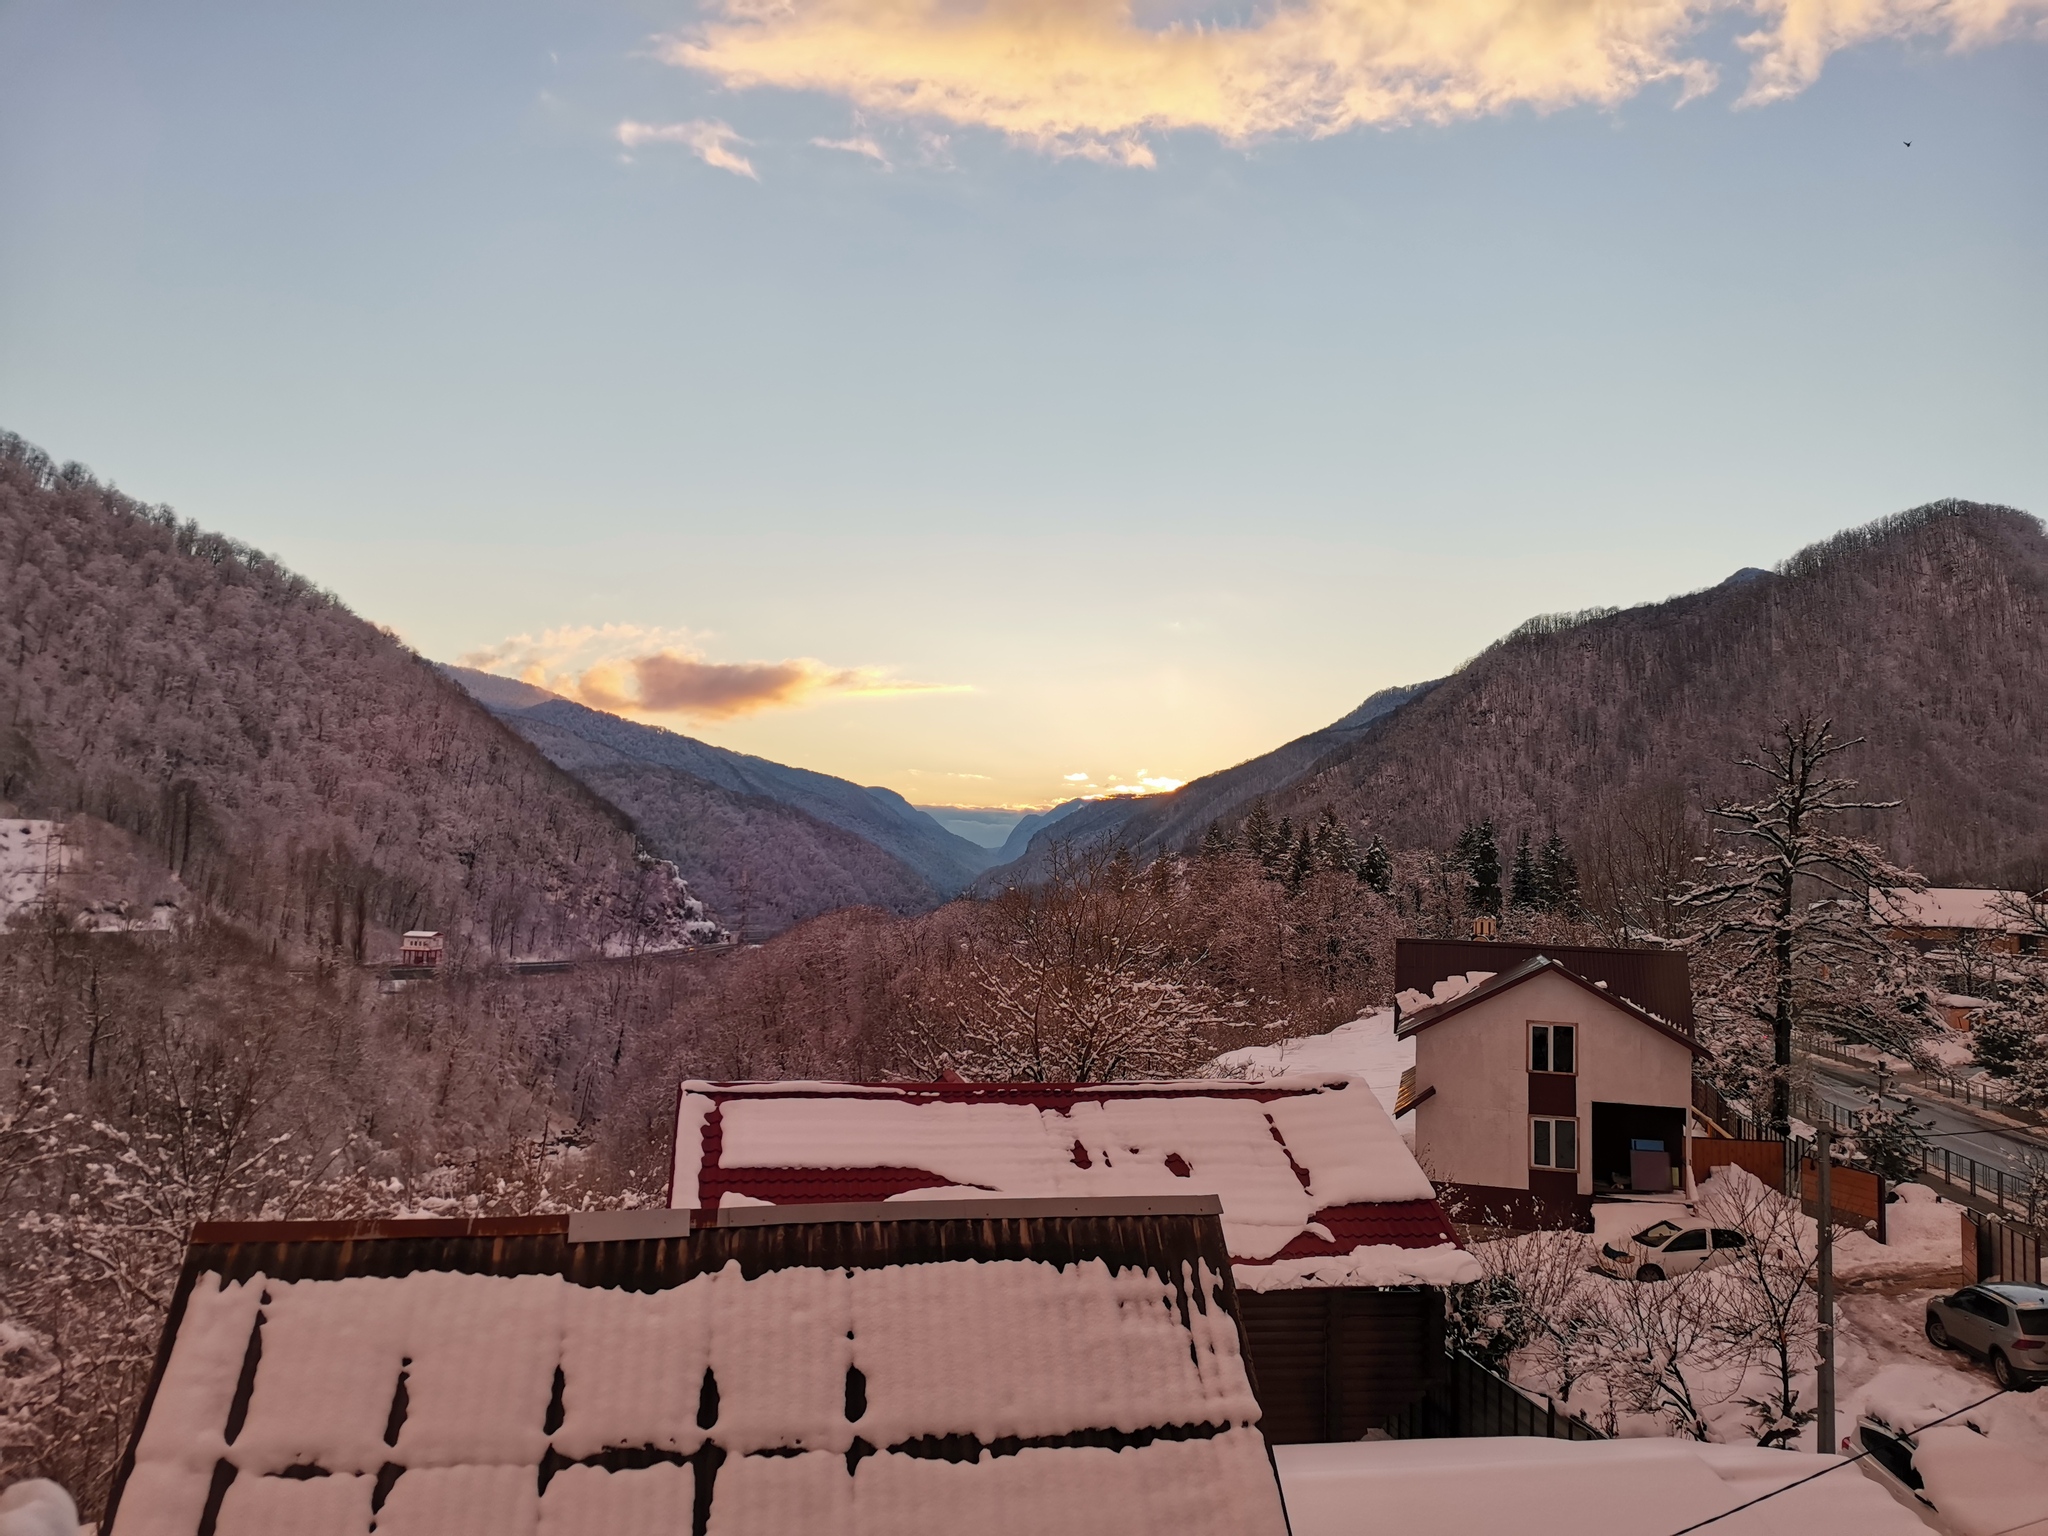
x=31, y=856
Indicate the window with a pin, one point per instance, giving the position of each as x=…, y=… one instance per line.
x=1653, y=1237
x=1552, y=1048
x=1892, y=1455
x=1723, y=1238
x=2032, y=1322
x=1554, y=1143
x=1694, y=1241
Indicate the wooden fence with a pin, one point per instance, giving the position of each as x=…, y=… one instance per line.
x=2000, y=1250
x=1858, y=1197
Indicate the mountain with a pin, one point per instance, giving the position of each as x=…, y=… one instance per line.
x=1926, y=633
x=768, y=845
x=1153, y=823
x=298, y=770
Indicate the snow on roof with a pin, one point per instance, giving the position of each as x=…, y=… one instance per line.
x=1952, y=907
x=1540, y=1487
x=1318, y=1188
x=1365, y=1050
x=423, y=933
x=790, y=1399
x=1490, y=985
x=1413, y=1000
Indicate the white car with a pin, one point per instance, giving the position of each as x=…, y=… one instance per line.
x=1668, y=1248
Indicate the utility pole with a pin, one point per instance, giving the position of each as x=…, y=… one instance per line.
x=1824, y=1415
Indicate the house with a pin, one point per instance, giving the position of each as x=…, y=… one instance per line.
x=1545, y=1078
x=1942, y=917
x=1337, y=1244
x=421, y=947
x=901, y=1368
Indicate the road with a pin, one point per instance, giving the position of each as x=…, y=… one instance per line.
x=1962, y=1133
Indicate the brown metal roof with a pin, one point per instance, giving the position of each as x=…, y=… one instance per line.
x=1529, y=970
x=1658, y=981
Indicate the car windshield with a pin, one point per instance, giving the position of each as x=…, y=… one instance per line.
x=1657, y=1236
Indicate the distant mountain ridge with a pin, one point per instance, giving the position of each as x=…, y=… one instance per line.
x=765, y=843
x=1925, y=632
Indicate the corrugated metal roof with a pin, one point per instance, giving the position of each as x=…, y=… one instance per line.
x=234, y=1424
x=1658, y=981
x=1411, y=1223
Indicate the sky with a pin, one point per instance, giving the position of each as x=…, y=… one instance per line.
x=1003, y=399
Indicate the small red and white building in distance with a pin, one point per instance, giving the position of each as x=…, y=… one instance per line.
x=1339, y=1250
x=1546, y=1078
x=421, y=947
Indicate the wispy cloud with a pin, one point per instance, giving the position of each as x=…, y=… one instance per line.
x=1084, y=77
x=629, y=669
x=857, y=146
x=706, y=138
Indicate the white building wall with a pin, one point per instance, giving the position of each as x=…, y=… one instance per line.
x=1475, y=1128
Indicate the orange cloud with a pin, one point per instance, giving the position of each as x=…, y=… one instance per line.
x=627, y=669
x=1084, y=77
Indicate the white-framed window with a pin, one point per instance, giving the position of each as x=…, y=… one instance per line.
x=1553, y=1143
x=1553, y=1048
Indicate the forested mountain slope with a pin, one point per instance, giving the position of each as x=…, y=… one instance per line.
x=1154, y=823
x=766, y=844
x=1926, y=632
x=298, y=769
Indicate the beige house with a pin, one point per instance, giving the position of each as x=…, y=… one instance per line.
x=1537, y=1089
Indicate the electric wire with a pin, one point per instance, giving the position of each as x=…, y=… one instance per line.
x=1836, y=1466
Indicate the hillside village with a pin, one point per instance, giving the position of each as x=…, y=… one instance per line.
x=434, y=1107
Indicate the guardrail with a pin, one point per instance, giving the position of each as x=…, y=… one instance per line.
x=2020, y=1195
x=1964, y=1090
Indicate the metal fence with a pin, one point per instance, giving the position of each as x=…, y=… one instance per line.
x=1941, y=1168
x=1982, y=1092
x=1467, y=1399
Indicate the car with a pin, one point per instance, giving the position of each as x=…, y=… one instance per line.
x=1668, y=1248
x=1890, y=1453
x=2004, y=1325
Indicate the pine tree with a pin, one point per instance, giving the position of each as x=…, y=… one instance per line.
x=1259, y=832
x=1301, y=861
x=1333, y=846
x=1218, y=842
x=1477, y=853
x=1787, y=905
x=1376, y=867
x=1525, y=892
x=1557, y=875
x=1890, y=1141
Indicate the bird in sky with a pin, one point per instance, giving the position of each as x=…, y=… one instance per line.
x=1907, y=142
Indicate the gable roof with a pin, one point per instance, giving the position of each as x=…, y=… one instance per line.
x=1658, y=981
x=797, y=1373
x=1318, y=1188
x=1529, y=970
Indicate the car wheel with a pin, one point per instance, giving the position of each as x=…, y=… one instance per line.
x=1650, y=1272
x=2002, y=1371
x=1938, y=1335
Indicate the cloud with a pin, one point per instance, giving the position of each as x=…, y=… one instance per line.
x=1084, y=77
x=1078, y=778
x=704, y=137
x=628, y=669
x=860, y=146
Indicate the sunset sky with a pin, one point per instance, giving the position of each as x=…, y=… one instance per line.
x=998, y=399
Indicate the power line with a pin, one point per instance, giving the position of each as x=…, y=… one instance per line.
x=1848, y=1461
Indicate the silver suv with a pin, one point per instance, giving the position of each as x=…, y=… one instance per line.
x=2005, y=1324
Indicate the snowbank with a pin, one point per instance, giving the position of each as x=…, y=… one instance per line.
x=1541, y=1487
x=1364, y=1049
x=37, y=1507
x=1923, y=1235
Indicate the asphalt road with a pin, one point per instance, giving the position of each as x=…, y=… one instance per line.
x=1961, y=1133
